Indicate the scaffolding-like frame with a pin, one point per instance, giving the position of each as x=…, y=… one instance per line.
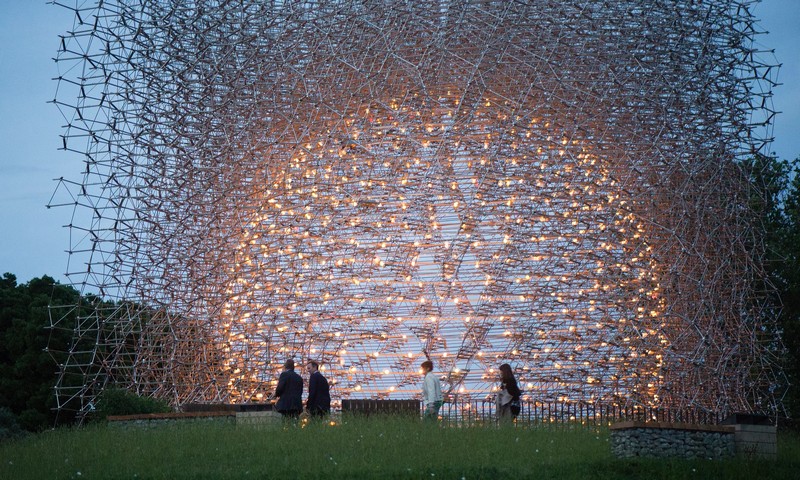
x=556, y=184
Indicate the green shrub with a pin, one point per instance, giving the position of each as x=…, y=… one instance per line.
x=9, y=427
x=118, y=401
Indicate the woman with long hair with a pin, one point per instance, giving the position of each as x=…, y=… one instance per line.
x=508, y=396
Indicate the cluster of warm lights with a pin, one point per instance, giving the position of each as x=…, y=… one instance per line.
x=475, y=268
x=371, y=184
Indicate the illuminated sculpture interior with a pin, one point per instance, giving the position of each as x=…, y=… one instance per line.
x=552, y=184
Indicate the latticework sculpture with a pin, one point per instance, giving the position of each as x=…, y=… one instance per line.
x=552, y=184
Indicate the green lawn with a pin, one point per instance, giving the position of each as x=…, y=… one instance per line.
x=356, y=448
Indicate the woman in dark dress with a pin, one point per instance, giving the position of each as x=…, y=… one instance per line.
x=508, y=396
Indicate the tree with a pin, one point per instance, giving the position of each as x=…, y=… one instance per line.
x=786, y=275
x=27, y=369
x=777, y=183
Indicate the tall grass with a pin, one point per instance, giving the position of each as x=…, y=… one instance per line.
x=354, y=448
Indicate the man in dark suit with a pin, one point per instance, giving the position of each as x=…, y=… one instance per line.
x=319, y=397
x=289, y=392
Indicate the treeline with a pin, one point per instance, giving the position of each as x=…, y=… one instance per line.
x=37, y=320
x=36, y=335
x=778, y=181
x=30, y=350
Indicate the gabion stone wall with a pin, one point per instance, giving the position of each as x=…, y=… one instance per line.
x=552, y=184
x=672, y=441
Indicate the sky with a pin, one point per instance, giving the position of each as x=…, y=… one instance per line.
x=33, y=240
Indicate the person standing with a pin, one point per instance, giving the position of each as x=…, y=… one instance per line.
x=508, y=396
x=289, y=392
x=432, y=397
x=318, y=403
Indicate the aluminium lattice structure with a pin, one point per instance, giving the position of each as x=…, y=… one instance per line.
x=556, y=184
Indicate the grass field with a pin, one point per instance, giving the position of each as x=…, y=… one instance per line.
x=356, y=448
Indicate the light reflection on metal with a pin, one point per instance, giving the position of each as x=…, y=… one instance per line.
x=552, y=184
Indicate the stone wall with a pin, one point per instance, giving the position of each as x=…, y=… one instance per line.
x=159, y=419
x=655, y=439
x=251, y=418
x=259, y=418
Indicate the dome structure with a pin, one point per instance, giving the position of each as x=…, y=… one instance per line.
x=557, y=185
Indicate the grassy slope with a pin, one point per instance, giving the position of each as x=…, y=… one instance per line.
x=384, y=448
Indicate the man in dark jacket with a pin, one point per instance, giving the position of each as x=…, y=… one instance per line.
x=289, y=391
x=319, y=397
